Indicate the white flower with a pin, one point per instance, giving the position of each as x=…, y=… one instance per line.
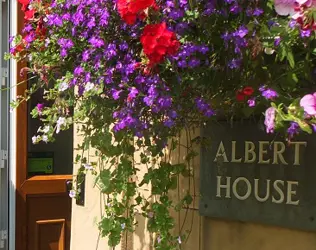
x=46, y=129
x=47, y=41
x=123, y=226
x=179, y=240
x=45, y=138
x=269, y=51
x=87, y=166
x=61, y=121
x=72, y=194
x=34, y=139
x=63, y=86
x=89, y=86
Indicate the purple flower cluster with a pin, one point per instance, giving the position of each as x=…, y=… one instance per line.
x=175, y=11
x=190, y=56
x=107, y=59
x=268, y=93
x=236, y=41
x=236, y=7
x=204, y=107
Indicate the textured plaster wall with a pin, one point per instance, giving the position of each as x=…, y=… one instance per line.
x=205, y=233
x=84, y=230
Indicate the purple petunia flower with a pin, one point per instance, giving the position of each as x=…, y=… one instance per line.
x=116, y=94
x=96, y=42
x=269, y=94
x=133, y=93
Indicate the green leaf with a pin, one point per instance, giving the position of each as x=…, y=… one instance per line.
x=290, y=58
x=305, y=127
x=247, y=111
x=104, y=181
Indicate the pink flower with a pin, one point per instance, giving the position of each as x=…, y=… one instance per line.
x=284, y=7
x=308, y=102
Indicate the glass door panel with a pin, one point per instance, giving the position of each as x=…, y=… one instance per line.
x=53, y=158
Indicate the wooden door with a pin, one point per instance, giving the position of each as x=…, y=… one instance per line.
x=43, y=207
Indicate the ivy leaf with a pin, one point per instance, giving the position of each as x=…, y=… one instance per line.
x=104, y=181
x=105, y=226
x=188, y=199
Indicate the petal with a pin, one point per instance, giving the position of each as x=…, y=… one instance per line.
x=308, y=100
x=284, y=8
x=311, y=110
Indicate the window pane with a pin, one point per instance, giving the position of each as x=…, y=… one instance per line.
x=48, y=158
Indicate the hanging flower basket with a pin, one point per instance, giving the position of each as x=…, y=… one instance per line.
x=144, y=70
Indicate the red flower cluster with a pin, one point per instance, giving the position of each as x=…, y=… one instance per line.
x=28, y=13
x=24, y=3
x=130, y=9
x=158, y=42
x=40, y=31
x=244, y=93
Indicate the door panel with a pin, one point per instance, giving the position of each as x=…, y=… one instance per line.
x=49, y=226
x=43, y=207
x=54, y=228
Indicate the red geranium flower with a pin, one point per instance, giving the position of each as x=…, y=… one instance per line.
x=29, y=14
x=158, y=42
x=24, y=3
x=137, y=6
x=248, y=91
x=240, y=96
x=130, y=9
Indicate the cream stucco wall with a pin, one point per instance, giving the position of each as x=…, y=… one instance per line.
x=84, y=219
x=205, y=233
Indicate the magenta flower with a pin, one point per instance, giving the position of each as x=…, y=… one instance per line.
x=251, y=102
x=308, y=103
x=40, y=107
x=285, y=7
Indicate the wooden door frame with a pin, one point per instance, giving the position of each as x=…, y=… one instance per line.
x=34, y=185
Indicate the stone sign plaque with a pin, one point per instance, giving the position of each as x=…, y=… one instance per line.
x=248, y=175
